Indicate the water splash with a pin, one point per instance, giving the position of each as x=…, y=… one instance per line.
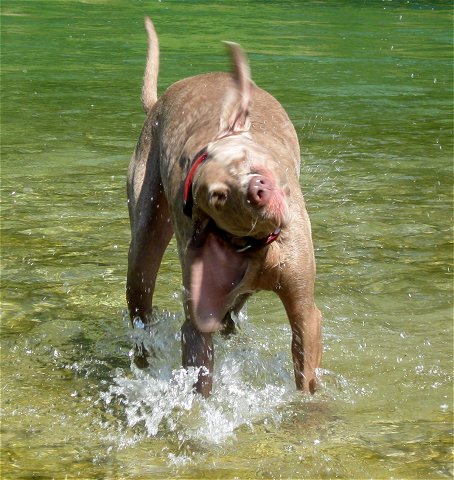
x=252, y=378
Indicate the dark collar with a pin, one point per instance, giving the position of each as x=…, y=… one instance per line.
x=239, y=244
x=244, y=244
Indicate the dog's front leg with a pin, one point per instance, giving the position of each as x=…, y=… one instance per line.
x=305, y=322
x=296, y=290
x=306, y=346
x=196, y=346
x=197, y=351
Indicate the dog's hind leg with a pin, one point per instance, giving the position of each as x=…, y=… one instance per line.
x=151, y=232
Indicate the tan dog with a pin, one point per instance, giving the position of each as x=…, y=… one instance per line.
x=217, y=163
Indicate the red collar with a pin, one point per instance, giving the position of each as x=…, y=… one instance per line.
x=250, y=244
x=188, y=201
x=254, y=244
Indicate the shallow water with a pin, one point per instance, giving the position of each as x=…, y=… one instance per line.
x=368, y=86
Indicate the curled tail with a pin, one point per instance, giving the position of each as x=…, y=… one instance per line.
x=150, y=79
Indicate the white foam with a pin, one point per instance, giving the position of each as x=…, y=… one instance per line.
x=251, y=379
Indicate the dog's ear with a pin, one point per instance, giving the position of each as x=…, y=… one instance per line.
x=235, y=113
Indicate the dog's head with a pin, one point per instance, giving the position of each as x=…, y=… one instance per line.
x=240, y=185
x=240, y=188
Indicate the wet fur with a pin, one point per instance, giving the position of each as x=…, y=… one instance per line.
x=244, y=130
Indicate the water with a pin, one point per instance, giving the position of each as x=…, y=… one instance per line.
x=368, y=86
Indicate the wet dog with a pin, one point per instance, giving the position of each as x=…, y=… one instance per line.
x=217, y=164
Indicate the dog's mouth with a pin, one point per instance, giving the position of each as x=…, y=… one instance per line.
x=216, y=270
x=218, y=262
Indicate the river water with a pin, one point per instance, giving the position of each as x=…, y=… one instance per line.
x=368, y=85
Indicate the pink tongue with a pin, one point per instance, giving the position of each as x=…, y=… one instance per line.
x=215, y=272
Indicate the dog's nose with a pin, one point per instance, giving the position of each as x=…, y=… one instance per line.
x=260, y=190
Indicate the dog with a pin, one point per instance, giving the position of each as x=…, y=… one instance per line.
x=217, y=164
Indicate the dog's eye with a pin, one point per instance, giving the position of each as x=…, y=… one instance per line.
x=233, y=172
x=217, y=196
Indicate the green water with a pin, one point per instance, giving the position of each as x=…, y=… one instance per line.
x=368, y=85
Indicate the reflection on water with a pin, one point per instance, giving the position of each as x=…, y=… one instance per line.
x=369, y=88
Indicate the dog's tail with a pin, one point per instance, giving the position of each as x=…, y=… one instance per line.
x=150, y=79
